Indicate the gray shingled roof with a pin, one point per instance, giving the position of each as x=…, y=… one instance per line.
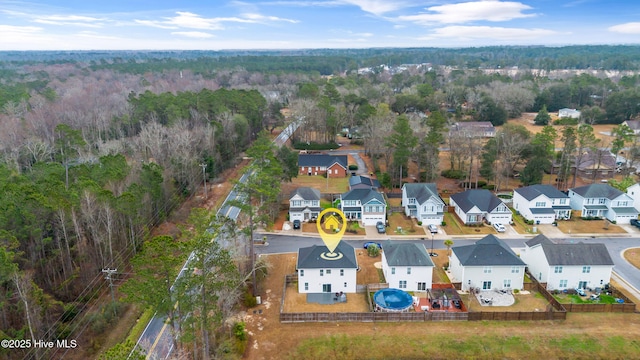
x=597, y=191
x=539, y=239
x=483, y=199
x=306, y=193
x=310, y=257
x=633, y=124
x=322, y=160
x=577, y=254
x=364, y=195
x=406, y=254
x=533, y=191
x=422, y=192
x=489, y=251
x=363, y=181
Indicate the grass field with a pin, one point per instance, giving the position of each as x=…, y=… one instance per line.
x=579, y=226
x=455, y=227
x=633, y=256
x=407, y=226
x=333, y=185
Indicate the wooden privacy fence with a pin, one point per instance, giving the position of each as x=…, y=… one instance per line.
x=518, y=316
x=623, y=308
x=372, y=317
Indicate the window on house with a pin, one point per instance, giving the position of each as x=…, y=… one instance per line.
x=563, y=201
x=506, y=283
x=515, y=269
x=563, y=284
x=602, y=201
x=586, y=269
x=557, y=269
x=301, y=272
x=341, y=272
x=345, y=284
x=402, y=284
x=408, y=271
x=306, y=286
x=328, y=271
x=487, y=269
x=412, y=201
x=393, y=271
x=486, y=285
x=321, y=272
x=541, y=204
x=297, y=203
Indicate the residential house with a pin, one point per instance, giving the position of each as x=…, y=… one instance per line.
x=569, y=113
x=602, y=200
x=567, y=266
x=477, y=205
x=363, y=182
x=421, y=201
x=633, y=125
x=474, y=129
x=634, y=192
x=319, y=273
x=488, y=264
x=320, y=164
x=407, y=266
x=364, y=205
x=542, y=204
x=304, y=204
x=598, y=164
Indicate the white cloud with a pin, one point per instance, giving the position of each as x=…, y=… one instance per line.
x=188, y=20
x=262, y=18
x=5, y=30
x=490, y=33
x=459, y=13
x=376, y=7
x=94, y=35
x=70, y=20
x=193, y=34
x=626, y=28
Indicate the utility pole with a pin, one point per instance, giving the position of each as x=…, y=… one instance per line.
x=204, y=176
x=252, y=250
x=110, y=272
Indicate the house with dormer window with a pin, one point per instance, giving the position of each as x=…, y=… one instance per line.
x=603, y=201
x=365, y=205
x=421, y=201
x=304, y=204
x=542, y=204
x=478, y=205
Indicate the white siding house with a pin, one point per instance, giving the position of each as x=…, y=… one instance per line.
x=486, y=265
x=366, y=205
x=421, y=201
x=407, y=266
x=304, y=204
x=319, y=273
x=602, y=200
x=542, y=204
x=475, y=206
x=569, y=113
x=567, y=266
x=634, y=192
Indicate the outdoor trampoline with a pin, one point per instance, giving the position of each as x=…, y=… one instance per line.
x=392, y=300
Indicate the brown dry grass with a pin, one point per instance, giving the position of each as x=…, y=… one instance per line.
x=576, y=225
x=526, y=120
x=456, y=227
x=269, y=339
x=524, y=302
x=408, y=225
x=333, y=185
x=633, y=256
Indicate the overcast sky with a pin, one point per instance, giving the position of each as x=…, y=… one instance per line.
x=296, y=24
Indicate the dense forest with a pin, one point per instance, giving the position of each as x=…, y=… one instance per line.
x=97, y=148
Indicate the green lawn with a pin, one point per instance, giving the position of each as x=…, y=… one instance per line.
x=577, y=299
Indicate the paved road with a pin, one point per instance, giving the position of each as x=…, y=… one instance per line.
x=615, y=246
x=156, y=339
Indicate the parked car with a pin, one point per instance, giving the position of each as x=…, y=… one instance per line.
x=499, y=227
x=433, y=229
x=380, y=227
x=369, y=243
x=296, y=224
x=635, y=223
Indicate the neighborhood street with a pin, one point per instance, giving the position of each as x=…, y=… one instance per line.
x=277, y=243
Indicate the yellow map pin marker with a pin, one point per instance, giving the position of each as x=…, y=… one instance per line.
x=331, y=226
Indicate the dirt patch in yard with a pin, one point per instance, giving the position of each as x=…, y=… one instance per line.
x=576, y=225
x=633, y=256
